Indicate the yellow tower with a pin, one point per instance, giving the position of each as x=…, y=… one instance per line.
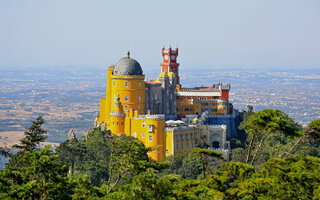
x=127, y=82
x=117, y=119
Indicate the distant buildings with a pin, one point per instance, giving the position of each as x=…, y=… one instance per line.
x=161, y=113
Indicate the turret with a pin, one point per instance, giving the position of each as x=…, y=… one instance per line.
x=117, y=117
x=169, y=62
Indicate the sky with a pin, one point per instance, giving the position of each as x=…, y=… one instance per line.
x=215, y=33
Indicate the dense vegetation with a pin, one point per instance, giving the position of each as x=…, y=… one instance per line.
x=277, y=159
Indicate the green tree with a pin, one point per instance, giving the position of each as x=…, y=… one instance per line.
x=262, y=124
x=33, y=136
x=69, y=152
x=191, y=166
x=187, y=164
x=146, y=185
x=293, y=178
x=88, y=157
x=40, y=177
x=205, y=154
x=312, y=132
x=128, y=156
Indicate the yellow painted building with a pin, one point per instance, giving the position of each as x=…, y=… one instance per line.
x=196, y=106
x=123, y=110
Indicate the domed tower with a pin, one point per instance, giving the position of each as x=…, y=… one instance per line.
x=127, y=82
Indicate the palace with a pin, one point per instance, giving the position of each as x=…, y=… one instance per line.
x=161, y=113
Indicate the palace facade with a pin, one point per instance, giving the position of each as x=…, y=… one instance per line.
x=161, y=113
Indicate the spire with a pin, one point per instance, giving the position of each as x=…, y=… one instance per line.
x=128, y=54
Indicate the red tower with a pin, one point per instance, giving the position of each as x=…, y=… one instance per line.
x=169, y=63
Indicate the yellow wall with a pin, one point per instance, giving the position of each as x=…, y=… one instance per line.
x=175, y=141
x=117, y=125
x=102, y=114
x=133, y=91
x=108, y=93
x=169, y=143
x=157, y=140
x=189, y=106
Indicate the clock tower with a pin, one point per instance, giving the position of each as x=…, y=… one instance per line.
x=169, y=62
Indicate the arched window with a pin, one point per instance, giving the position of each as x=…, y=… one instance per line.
x=126, y=84
x=135, y=134
x=114, y=83
x=139, y=83
x=126, y=98
x=139, y=98
x=143, y=124
x=143, y=134
x=150, y=138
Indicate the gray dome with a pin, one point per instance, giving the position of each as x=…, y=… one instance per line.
x=127, y=66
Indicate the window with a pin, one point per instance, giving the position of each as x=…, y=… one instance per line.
x=178, y=138
x=187, y=136
x=181, y=145
x=139, y=106
x=182, y=139
x=192, y=136
x=150, y=138
x=126, y=84
x=187, y=144
x=135, y=134
x=139, y=98
x=177, y=146
x=114, y=83
x=117, y=123
x=139, y=83
x=126, y=106
x=126, y=98
x=155, y=97
x=143, y=134
x=114, y=97
x=191, y=144
x=143, y=124
x=150, y=128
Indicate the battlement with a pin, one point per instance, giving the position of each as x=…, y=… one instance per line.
x=180, y=128
x=153, y=117
x=199, y=89
x=217, y=126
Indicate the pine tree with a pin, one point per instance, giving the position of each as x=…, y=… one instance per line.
x=33, y=136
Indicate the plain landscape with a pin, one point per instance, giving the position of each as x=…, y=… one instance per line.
x=68, y=97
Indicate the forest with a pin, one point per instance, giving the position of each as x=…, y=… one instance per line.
x=273, y=157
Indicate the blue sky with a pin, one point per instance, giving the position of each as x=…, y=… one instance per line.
x=254, y=34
